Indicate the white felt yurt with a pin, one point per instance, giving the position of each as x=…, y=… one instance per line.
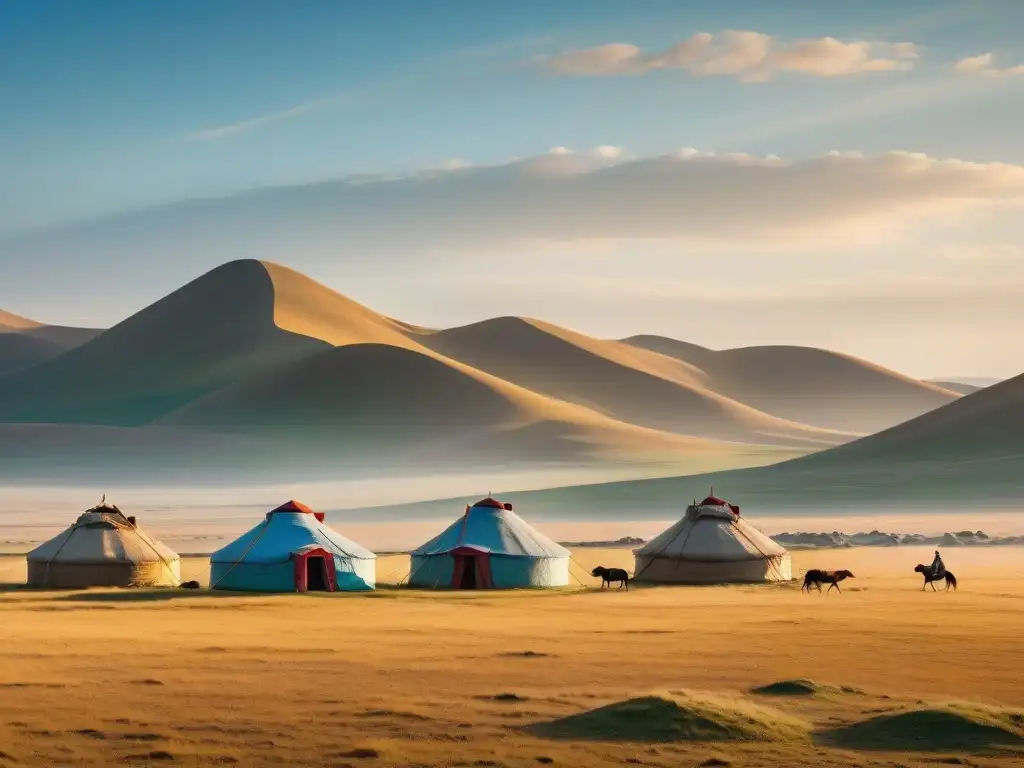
x=103, y=548
x=489, y=547
x=712, y=544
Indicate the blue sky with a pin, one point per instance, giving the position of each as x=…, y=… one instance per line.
x=110, y=107
x=103, y=100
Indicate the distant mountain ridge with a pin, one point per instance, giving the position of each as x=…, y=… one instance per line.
x=948, y=458
x=807, y=385
x=256, y=351
x=25, y=343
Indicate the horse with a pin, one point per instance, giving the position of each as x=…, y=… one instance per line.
x=816, y=577
x=609, y=576
x=931, y=578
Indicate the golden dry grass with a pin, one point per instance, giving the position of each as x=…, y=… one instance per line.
x=440, y=679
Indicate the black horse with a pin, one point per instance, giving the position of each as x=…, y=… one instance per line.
x=931, y=578
x=816, y=577
x=609, y=576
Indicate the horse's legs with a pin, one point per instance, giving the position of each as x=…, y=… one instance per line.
x=830, y=587
x=933, y=586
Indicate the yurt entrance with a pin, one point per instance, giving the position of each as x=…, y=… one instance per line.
x=316, y=574
x=314, y=570
x=468, y=568
x=472, y=569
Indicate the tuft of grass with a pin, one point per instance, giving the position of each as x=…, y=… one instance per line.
x=676, y=716
x=955, y=727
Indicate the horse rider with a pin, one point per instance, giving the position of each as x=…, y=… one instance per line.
x=938, y=567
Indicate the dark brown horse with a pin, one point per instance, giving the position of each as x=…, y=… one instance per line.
x=816, y=577
x=931, y=578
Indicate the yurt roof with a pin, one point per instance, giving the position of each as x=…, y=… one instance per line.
x=491, y=526
x=286, y=530
x=293, y=506
x=102, y=534
x=712, y=533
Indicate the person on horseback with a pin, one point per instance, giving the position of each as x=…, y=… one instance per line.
x=938, y=567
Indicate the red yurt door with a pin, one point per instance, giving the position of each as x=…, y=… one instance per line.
x=471, y=569
x=314, y=570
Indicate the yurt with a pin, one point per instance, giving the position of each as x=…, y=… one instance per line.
x=712, y=544
x=489, y=547
x=292, y=550
x=103, y=548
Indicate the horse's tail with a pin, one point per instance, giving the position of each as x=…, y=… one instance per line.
x=951, y=579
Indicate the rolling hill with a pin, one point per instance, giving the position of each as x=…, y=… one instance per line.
x=807, y=385
x=409, y=406
x=957, y=386
x=25, y=343
x=208, y=333
x=988, y=424
x=941, y=460
x=256, y=354
x=628, y=384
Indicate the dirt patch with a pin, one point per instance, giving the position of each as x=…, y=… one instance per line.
x=802, y=687
x=156, y=755
x=525, y=655
x=361, y=754
x=503, y=697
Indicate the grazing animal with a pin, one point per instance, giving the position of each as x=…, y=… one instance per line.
x=816, y=577
x=931, y=578
x=190, y=585
x=610, y=576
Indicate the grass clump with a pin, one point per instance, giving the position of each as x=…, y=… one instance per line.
x=675, y=716
x=956, y=727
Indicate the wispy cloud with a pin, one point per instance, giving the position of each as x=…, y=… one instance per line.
x=233, y=129
x=726, y=200
x=985, y=65
x=459, y=56
x=747, y=55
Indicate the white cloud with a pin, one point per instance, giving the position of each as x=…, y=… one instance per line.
x=985, y=65
x=564, y=196
x=750, y=56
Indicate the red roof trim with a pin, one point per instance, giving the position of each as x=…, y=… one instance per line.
x=293, y=506
x=492, y=503
x=714, y=501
